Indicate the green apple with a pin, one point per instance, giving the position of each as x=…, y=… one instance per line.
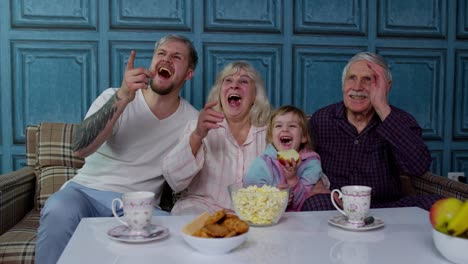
x=443, y=211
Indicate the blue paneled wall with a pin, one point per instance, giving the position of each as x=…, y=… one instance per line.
x=57, y=56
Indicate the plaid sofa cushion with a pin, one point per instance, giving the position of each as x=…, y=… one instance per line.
x=435, y=184
x=16, y=197
x=55, y=160
x=49, y=180
x=54, y=147
x=31, y=131
x=19, y=243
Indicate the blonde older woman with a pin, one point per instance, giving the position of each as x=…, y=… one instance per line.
x=217, y=149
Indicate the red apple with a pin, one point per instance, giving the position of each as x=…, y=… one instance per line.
x=443, y=211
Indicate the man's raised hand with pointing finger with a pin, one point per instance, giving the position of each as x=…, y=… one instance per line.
x=134, y=79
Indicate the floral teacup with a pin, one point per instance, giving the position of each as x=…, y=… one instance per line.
x=356, y=203
x=138, y=211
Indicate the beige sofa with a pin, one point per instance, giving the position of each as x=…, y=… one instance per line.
x=50, y=163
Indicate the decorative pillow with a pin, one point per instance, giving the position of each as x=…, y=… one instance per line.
x=31, y=131
x=54, y=147
x=56, y=163
x=49, y=180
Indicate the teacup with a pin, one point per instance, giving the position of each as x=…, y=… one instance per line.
x=356, y=203
x=138, y=210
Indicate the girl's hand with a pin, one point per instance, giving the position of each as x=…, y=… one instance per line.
x=290, y=169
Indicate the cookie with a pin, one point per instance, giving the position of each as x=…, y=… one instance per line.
x=201, y=233
x=216, y=230
x=214, y=218
x=237, y=225
x=231, y=216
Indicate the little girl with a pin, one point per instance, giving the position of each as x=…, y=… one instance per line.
x=287, y=129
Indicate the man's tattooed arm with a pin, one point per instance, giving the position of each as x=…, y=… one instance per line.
x=87, y=132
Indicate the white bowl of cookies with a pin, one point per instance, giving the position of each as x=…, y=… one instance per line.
x=218, y=233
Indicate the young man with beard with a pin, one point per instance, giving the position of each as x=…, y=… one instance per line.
x=124, y=137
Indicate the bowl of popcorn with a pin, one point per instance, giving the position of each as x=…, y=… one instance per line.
x=259, y=205
x=217, y=233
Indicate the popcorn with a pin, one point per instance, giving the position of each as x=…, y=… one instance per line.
x=260, y=205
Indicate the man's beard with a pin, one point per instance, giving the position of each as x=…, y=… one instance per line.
x=160, y=91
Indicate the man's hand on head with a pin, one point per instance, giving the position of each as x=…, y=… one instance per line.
x=378, y=93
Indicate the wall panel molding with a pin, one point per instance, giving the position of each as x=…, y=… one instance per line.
x=437, y=162
x=266, y=59
x=52, y=81
x=58, y=56
x=317, y=75
x=330, y=17
x=418, y=86
x=413, y=18
x=150, y=14
x=460, y=161
x=19, y=161
x=54, y=14
x=462, y=19
x=261, y=16
x=461, y=96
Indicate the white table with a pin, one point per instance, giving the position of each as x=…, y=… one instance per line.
x=304, y=237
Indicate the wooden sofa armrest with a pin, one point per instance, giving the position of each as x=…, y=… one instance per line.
x=17, y=190
x=429, y=183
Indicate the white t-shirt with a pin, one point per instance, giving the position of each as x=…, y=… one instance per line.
x=131, y=159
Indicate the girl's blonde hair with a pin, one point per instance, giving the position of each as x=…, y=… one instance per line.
x=261, y=109
x=302, y=123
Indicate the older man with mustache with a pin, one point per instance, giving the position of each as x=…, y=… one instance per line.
x=364, y=140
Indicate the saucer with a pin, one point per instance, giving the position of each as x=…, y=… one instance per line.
x=340, y=221
x=122, y=233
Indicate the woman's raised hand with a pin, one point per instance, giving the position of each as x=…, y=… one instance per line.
x=208, y=119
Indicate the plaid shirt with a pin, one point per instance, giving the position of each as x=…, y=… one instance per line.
x=375, y=157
